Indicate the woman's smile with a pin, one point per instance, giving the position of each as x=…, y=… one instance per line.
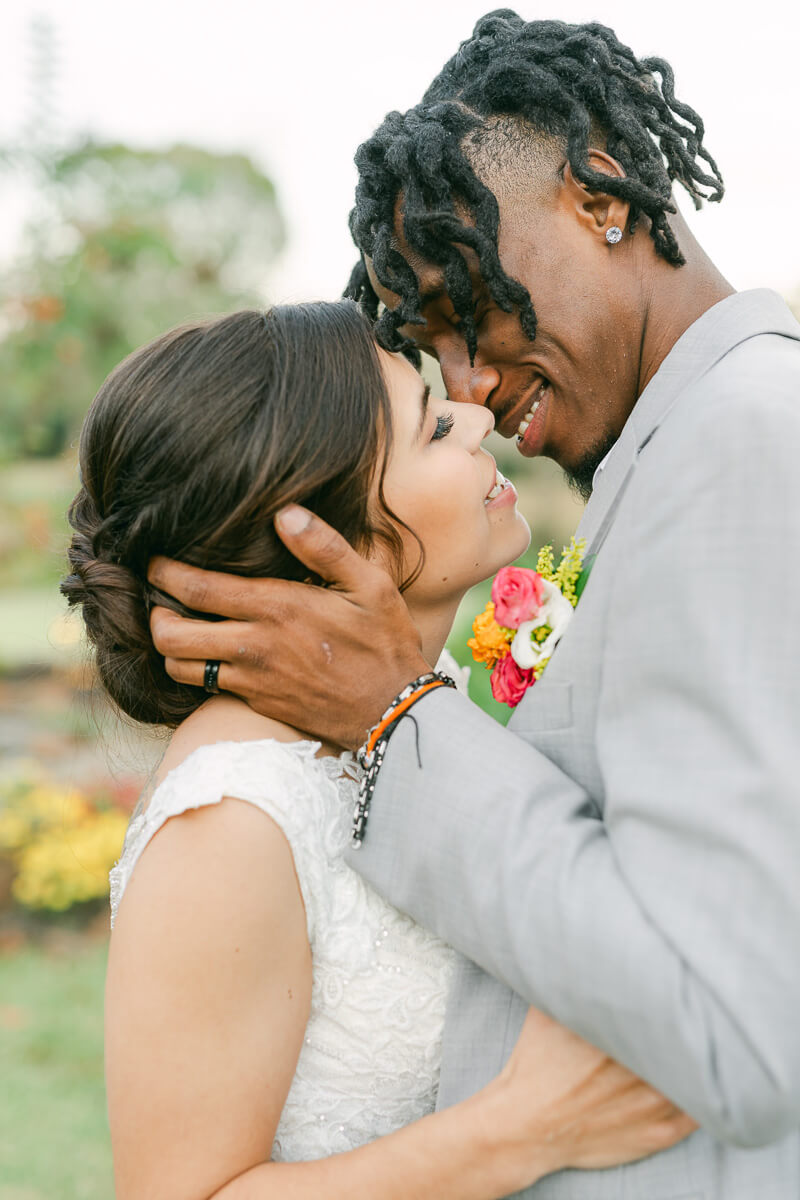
x=502, y=494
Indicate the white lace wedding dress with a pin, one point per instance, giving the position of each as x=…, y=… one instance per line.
x=371, y=1056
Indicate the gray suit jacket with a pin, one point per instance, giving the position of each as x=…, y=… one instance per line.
x=626, y=855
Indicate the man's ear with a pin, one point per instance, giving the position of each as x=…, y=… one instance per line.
x=597, y=212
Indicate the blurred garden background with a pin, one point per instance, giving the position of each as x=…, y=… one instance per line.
x=182, y=161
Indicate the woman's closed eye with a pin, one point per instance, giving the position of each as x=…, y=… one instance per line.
x=444, y=424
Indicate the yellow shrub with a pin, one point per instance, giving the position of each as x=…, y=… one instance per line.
x=61, y=846
x=59, y=869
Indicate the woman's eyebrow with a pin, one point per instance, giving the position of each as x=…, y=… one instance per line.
x=426, y=393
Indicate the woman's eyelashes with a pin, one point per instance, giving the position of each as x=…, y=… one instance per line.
x=444, y=424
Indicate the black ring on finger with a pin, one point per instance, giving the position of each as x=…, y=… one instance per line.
x=211, y=676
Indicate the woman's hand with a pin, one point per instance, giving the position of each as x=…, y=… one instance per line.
x=559, y=1102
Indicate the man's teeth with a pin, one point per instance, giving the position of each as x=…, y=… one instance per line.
x=498, y=487
x=526, y=420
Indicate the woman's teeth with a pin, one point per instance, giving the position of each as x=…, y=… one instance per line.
x=500, y=483
x=526, y=420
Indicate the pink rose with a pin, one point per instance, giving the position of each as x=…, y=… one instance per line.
x=509, y=682
x=517, y=593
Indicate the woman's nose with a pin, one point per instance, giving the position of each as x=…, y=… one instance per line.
x=478, y=423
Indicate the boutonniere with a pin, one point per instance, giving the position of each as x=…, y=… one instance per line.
x=526, y=618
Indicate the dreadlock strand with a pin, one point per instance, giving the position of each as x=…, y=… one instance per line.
x=577, y=83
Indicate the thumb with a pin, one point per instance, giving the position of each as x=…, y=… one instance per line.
x=323, y=550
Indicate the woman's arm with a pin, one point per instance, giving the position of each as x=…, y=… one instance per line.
x=207, y=999
x=557, y=1103
x=208, y=994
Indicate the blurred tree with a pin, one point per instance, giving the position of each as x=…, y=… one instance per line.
x=126, y=243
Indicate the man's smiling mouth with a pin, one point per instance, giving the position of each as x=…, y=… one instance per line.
x=531, y=430
x=520, y=416
x=524, y=424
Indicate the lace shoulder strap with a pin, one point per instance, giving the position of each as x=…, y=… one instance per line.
x=283, y=779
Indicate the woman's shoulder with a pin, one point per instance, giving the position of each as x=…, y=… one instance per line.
x=222, y=753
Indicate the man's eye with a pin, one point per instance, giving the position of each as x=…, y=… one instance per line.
x=443, y=426
x=478, y=314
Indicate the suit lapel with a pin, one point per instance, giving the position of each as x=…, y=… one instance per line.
x=710, y=338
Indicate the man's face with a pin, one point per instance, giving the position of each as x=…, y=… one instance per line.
x=567, y=394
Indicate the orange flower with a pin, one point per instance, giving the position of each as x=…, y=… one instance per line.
x=491, y=641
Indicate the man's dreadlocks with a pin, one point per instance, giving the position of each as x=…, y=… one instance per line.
x=568, y=82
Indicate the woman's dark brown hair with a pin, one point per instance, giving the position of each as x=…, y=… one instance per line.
x=189, y=449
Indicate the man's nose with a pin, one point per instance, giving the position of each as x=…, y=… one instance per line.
x=471, y=385
x=483, y=381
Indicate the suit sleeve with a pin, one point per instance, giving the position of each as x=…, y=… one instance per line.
x=668, y=933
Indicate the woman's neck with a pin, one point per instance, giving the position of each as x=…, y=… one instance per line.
x=434, y=624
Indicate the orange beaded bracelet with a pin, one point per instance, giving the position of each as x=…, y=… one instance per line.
x=370, y=755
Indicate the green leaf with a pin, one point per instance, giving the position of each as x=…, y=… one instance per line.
x=583, y=578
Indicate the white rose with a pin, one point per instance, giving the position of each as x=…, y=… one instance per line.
x=556, y=611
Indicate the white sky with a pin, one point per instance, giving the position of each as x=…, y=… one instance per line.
x=299, y=84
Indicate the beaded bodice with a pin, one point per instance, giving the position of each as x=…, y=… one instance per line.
x=370, y=1060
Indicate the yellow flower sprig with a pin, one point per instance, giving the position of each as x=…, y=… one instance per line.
x=545, y=563
x=566, y=575
x=570, y=569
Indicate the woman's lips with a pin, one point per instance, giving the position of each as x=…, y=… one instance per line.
x=501, y=493
x=507, y=495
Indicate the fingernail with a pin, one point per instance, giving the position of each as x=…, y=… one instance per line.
x=293, y=519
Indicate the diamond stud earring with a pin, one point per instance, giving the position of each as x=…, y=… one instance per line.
x=613, y=235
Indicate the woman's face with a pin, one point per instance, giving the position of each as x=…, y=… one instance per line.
x=439, y=480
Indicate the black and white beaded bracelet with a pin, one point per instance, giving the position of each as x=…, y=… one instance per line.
x=370, y=755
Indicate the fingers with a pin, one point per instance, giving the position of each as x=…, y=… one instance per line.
x=325, y=551
x=231, y=678
x=631, y=1126
x=312, y=541
x=646, y=1114
x=208, y=591
x=179, y=637
x=661, y=1132
x=192, y=671
x=680, y=1126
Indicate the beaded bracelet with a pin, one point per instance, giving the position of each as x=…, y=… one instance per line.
x=370, y=755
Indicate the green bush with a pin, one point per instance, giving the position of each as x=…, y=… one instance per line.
x=127, y=243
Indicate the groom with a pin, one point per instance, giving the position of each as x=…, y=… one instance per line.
x=626, y=855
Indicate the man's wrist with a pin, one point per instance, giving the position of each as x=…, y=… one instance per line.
x=370, y=753
x=410, y=670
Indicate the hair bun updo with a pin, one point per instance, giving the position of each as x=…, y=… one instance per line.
x=191, y=447
x=115, y=606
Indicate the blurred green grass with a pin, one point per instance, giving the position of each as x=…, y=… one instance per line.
x=55, y=1139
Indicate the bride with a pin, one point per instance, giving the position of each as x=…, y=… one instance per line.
x=273, y=1027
